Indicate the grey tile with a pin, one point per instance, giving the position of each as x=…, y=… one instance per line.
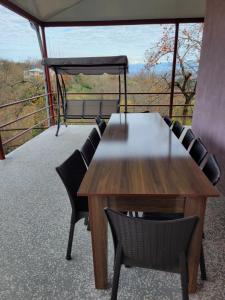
x=34, y=224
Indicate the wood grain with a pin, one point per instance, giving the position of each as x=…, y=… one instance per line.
x=139, y=155
x=195, y=207
x=99, y=233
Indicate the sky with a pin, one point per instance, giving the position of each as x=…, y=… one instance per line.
x=19, y=42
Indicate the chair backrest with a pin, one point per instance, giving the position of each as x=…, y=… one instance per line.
x=168, y=121
x=188, y=138
x=98, y=120
x=102, y=126
x=74, y=108
x=212, y=169
x=87, y=151
x=94, y=138
x=177, y=128
x=91, y=107
x=153, y=244
x=109, y=106
x=198, y=151
x=72, y=172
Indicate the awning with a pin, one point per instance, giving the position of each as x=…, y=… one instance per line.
x=88, y=65
x=93, y=12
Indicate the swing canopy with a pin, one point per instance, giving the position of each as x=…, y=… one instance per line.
x=87, y=108
x=114, y=65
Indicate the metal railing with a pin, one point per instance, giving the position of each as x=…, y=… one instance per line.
x=47, y=108
x=145, y=105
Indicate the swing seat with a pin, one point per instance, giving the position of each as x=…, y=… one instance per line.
x=88, y=109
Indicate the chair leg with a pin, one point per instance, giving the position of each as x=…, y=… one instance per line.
x=70, y=241
x=58, y=125
x=202, y=264
x=116, y=275
x=184, y=277
x=86, y=221
x=88, y=226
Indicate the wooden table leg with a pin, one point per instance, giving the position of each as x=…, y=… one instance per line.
x=195, y=206
x=99, y=226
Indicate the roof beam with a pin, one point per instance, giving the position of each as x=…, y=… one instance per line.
x=123, y=22
x=20, y=11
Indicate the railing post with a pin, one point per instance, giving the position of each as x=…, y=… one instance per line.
x=2, y=154
x=174, y=68
x=47, y=75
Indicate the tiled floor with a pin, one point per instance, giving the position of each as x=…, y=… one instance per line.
x=34, y=223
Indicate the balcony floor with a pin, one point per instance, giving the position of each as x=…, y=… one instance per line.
x=34, y=222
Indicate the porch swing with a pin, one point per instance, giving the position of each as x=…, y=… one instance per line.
x=87, y=108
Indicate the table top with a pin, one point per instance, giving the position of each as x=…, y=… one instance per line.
x=139, y=155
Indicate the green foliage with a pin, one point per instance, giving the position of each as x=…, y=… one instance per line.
x=79, y=84
x=13, y=84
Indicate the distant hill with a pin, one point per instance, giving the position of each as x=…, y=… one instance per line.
x=136, y=68
x=161, y=68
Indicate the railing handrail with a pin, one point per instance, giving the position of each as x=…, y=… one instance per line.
x=156, y=105
x=12, y=103
x=128, y=93
x=23, y=100
x=25, y=116
x=23, y=132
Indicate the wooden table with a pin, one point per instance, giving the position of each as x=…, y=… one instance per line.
x=140, y=165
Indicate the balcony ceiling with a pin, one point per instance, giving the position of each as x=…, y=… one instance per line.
x=56, y=12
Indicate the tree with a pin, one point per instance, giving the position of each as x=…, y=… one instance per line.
x=188, y=55
x=13, y=87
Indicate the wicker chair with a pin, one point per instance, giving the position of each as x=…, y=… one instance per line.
x=198, y=151
x=151, y=244
x=188, y=138
x=98, y=120
x=71, y=173
x=94, y=138
x=102, y=126
x=168, y=121
x=177, y=129
x=211, y=169
x=88, y=151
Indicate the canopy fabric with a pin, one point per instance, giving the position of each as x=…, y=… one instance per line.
x=88, y=65
x=60, y=12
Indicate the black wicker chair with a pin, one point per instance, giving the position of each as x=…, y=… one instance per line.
x=98, y=120
x=188, y=138
x=102, y=126
x=211, y=169
x=177, y=129
x=151, y=244
x=198, y=151
x=168, y=121
x=94, y=138
x=72, y=172
x=87, y=151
